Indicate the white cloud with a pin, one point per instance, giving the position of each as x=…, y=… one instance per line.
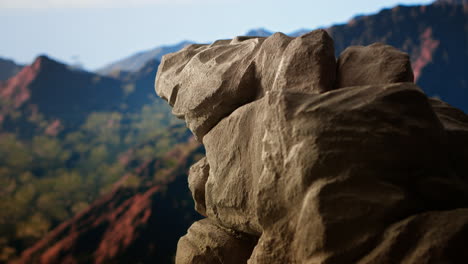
x=44, y=4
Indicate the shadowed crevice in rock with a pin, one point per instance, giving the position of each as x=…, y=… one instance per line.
x=197, y=178
x=219, y=246
x=321, y=160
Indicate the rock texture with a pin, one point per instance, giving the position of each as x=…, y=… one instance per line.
x=207, y=242
x=205, y=83
x=373, y=64
x=313, y=161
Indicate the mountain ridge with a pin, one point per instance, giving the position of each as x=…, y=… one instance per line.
x=8, y=68
x=135, y=62
x=58, y=91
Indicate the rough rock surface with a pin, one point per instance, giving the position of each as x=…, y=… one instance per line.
x=373, y=64
x=198, y=175
x=205, y=83
x=218, y=245
x=322, y=162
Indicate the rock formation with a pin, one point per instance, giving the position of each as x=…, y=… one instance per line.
x=313, y=159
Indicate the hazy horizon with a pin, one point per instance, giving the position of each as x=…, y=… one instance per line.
x=93, y=33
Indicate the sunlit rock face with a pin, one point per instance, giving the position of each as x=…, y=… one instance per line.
x=317, y=159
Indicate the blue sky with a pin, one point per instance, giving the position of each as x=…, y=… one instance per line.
x=96, y=32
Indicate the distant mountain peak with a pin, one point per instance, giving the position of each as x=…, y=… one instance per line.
x=137, y=61
x=42, y=61
x=259, y=32
x=57, y=91
x=43, y=57
x=17, y=90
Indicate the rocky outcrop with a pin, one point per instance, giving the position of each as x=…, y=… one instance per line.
x=205, y=83
x=313, y=161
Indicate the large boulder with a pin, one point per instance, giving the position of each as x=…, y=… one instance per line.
x=373, y=64
x=342, y=166
x=317, y=161
x=205, y=83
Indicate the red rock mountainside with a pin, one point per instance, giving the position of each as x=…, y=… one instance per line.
x=128, y=225
x=57, y=92
x=65, y=123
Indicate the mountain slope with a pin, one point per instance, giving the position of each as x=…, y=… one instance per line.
x=128, y=225
x=56, y=92
x=135, y=62
x=8, y=68
x=66, y=137
x=139, y=86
